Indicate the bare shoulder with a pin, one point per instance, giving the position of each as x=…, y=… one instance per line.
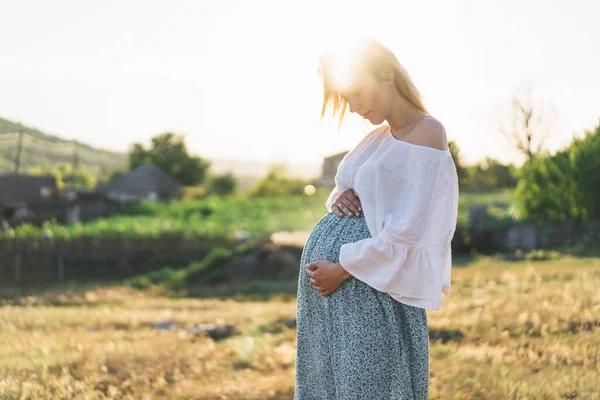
x=431, y=133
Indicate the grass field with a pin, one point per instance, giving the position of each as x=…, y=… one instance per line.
x=510, y=330
x=223, y=216
x=212, y=215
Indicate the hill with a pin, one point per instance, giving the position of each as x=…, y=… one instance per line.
x=41, y=149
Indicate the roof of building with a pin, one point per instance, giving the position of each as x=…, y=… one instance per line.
x=18, y=188
x=337, y=156
x=145, y=178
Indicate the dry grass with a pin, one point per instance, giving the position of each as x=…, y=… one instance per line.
x=515, y=330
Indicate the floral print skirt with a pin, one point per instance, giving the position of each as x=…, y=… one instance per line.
x=357, y=342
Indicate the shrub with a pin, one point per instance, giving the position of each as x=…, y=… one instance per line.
x=222, y=185
x=276, y=183
x=564, y=186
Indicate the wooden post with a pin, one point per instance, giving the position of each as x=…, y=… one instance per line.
x=61, y=268
x=18, y=267
x=18, y=155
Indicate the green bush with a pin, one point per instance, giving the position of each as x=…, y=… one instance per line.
x=208, y=268
x=191, y=193
x=139, y=282
x=217, y=256
x=490, y=174
x=542, y=255
x=276, y=183
x=222, y=185
x=563, y=186
x=585, y=159
x=546, y=190
x=168, y=277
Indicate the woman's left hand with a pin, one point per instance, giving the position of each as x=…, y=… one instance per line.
x=326, y=276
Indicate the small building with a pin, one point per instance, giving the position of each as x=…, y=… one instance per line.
x=85, y=206
x=146, y=181
x=29, y=198
x=330, y=166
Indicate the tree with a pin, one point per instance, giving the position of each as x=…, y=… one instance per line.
x=491, y=174
x=546, y=190
x=222, y=185
x=585, y=158
x=169, y=152
x=530, y=124
x=456, y=156
x=564, y=186
x=66, y=177
x=277, y=183
x=112, y=174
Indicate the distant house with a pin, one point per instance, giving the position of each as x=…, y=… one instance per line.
x=147, y=181
x=85, y=205
x=330, y=165
x=34, y=199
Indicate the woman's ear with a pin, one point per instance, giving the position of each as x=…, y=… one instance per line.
x=387, y=75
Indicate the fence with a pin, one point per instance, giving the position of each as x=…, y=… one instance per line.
x=534, y=236
x=24, y=260
x=27, y=260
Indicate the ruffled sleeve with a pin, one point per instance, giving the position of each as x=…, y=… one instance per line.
x=410, y=256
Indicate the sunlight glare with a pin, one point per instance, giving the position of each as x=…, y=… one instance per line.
x=343, y=62
x=309, y=190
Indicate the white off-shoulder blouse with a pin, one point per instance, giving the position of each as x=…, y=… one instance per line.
x=409, y=197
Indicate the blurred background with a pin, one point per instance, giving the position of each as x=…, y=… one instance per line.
x=162, y=163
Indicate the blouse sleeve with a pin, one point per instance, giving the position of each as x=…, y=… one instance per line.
x=340, y=183
x=410, y=257
x=338, y=188
x=333, y=193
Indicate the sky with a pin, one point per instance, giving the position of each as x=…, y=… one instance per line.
x=239, y=78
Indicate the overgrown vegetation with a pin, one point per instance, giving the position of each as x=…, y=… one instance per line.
x=169, y=152
x=518, y=330
x=563, y=186
x=276, y=183
x=175, y=279
x=212, y=215
x=216, y=215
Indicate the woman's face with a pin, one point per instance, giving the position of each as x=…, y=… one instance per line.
x=369, y=97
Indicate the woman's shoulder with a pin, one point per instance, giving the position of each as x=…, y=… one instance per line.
x=424, y=157
x=430, y=132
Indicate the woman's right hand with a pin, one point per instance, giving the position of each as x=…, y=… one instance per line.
x=346, y=202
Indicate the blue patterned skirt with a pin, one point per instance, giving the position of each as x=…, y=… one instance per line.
x=357, y=342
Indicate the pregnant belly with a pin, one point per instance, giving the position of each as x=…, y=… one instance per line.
x=330, y=233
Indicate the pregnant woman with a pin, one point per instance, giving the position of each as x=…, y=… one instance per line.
x=381, y=256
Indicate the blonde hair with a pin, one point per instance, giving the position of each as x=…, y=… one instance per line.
x=367, y=55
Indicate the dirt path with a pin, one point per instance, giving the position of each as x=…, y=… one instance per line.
x=296, y=238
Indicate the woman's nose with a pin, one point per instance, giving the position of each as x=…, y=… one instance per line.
x=352, y=107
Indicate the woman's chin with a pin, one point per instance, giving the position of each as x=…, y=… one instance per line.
x=374, y=120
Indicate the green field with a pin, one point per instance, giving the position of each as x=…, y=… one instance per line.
x=510, y=330
x=223, y=216
x=212, y=215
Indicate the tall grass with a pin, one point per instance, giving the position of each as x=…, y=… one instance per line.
x=510, y=330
